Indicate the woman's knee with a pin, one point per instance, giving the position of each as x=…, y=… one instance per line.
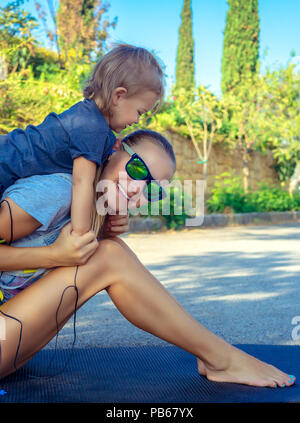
x=112, y=249
x=125, y=247
x=107, y=256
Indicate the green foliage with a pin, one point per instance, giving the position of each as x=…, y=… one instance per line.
x=82, y=31
x=171, y=209
x=280, y=117
x=262, y=114
x=174, y=203
x=169, y=118
x=25, y=100
x=185, y=68
x=286, y=159
x=241, y=43
x=45, y=62
x=16, y=39
x=35, y=81
x=229, y=195
x=203, y=117
x=272, y=198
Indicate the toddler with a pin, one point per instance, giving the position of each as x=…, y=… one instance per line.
x=126, y=83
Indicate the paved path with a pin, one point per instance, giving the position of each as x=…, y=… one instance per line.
x=243, y=283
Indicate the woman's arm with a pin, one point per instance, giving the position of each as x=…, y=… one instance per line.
x=23, y=223
x=84, y=172
x=12, y=258
x=67, y=250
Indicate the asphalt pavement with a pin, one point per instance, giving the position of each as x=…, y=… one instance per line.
x=242, y=283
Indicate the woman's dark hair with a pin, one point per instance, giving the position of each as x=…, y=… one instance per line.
x=146, y=134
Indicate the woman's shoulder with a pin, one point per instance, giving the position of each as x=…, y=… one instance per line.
x=40, y=194
x=47, y=198
x=41, y=182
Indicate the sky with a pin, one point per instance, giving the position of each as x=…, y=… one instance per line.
x=154, y=25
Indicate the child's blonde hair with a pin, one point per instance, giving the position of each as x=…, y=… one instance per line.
x=133, y=68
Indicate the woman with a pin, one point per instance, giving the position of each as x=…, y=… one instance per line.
x=107, y=263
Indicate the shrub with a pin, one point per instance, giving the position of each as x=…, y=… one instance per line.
x=267, y=199
x=174, y=203
x=229, y=195
x=25, y=100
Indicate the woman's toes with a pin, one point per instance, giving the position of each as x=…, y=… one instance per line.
x=292, y=379
x=288, y=382
x=201, y=367
x=273, y=384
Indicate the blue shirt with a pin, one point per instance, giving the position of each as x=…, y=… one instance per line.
x=52, y=146
x=48, y=199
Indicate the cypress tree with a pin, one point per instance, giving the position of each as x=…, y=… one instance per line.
x=241, y=43
x=185, y=68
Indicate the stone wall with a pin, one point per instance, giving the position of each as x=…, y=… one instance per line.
x=221, y=160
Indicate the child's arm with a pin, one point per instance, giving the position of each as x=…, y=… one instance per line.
x=84, y=172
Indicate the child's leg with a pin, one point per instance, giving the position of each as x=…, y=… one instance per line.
x=141, y=299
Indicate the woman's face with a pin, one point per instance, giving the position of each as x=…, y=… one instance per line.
x=121, y=191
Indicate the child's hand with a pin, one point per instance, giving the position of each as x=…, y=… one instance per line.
x=71, y=249
x=115, y=225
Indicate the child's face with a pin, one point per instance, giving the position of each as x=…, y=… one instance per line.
x=126, y=193
x=126, y=111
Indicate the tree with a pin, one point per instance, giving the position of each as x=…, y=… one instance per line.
x=264, y=114
x=16, y=39
x=185, y=68
x=241, y=44
x=244, y=110
x=81, y=30
x=202, y=117
x=281, y=119
x=51, y=33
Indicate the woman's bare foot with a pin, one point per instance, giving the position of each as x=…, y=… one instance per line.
x=247, y=370
x=201, y=367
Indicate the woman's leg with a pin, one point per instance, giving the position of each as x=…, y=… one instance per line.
x=159, y=313
x=141, y=299
x=202, y=368
x=36, y=307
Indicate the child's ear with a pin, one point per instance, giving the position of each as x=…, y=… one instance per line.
x=118, y=94
x=117, y=146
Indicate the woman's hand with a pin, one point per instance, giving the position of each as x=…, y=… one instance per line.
x=71, y=249
x=115, y=225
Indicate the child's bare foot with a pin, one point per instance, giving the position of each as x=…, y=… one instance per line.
x=247, y=370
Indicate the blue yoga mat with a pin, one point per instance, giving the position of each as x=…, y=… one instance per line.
x=146, y=374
